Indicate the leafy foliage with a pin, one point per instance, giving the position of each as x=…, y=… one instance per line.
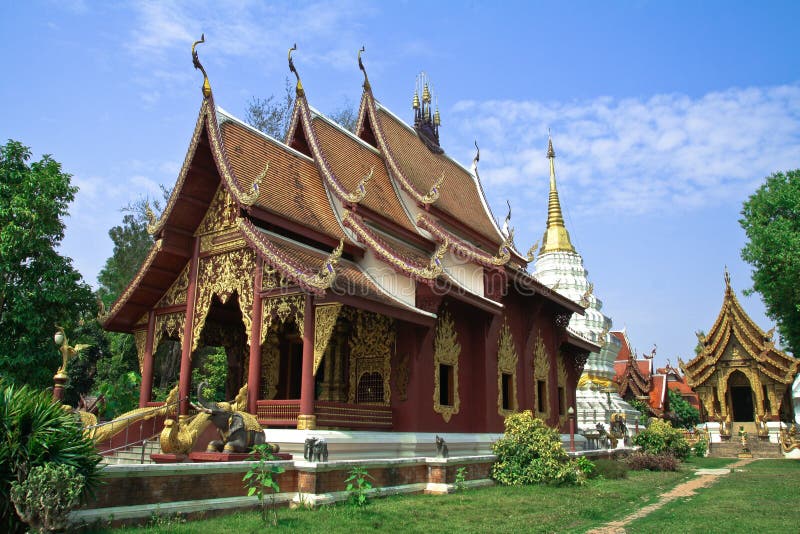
x=260, y=480
x=660, y=437
x=700, y=449
x=36, y=431
x=460, y=483
x=685, y=415
x=358, y=486
x=771, y=220
x=38, y=287
x=346, y=116
x=530, y=452
x=643, y=409
x=47, y=495
x=213, y=371
x=663, y=461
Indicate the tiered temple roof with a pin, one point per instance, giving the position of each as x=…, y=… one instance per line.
x=382, y=194
x=733, y=323
x=637, y=378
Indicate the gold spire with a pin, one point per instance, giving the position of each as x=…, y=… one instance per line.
x=426, y=93
x=415, y=102
x=437, y=119
x=556, y=237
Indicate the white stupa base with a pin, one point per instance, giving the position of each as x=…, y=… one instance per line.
x=595, y=406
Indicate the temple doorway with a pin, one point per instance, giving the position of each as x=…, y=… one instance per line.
x=222, y=352
x=741, y=395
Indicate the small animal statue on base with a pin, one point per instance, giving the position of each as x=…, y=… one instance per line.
x=441, y=448
x=238, y=430
x=315, y=450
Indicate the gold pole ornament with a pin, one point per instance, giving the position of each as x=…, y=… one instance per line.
x=67, y=352
x=361, y=66
x=299, y=88
x=198, y=65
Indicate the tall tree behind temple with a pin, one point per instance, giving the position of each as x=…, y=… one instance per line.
x=771, y=219
x=38, y=287
x=272, y=115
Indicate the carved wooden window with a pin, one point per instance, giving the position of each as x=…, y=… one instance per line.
x=562, y=400
x=446, y=353
x=541, y=372
x=506, y=372
x=371, y=348
x=562, y=389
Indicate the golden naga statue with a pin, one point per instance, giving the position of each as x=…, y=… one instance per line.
x=108, y=430
x=790, y=440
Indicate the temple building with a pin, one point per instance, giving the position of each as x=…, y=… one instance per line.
x=637, y=379
x=355, y=280
x=739, y=375
x=560, y=267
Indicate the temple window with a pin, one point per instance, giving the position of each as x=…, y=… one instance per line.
x=370, y=388
x=446, y=385
x=445, y=368
x=766, y=404
x=561, y=401
x=506, y=391
x=541, y=396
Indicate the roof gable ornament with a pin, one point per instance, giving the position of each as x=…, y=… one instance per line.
x=199, y=66
x=426, y=121
x=531, y=255
x=361, y=66
x=299, y=87
x=152, y=221
x=249, y=198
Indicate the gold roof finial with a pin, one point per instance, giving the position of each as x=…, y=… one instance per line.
x=556, y=237
x=299, y=87
x=426, y=93
x=198, y=65
x=437, y=119
x=415, y=102
x=361, y=66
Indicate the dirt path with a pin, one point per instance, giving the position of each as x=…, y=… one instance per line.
x=706, y=478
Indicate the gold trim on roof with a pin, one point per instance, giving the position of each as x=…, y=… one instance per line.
x=249, y=198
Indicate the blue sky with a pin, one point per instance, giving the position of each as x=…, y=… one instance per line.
x=665, y=116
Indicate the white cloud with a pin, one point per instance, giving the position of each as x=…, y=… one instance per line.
x=637, y=154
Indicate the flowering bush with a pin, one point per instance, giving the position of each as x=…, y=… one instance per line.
x=530, y=452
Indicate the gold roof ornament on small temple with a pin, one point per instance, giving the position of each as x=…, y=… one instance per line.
x=198, y=65
x=426, y=93
x=556, y=237
x=437, y=119
x=299, y=86
x=415, y=102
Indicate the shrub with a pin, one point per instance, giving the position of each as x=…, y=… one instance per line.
x=47, y=495
x=530, y=452
x=664, y=461
x=36, y=431
x=260, y=480
x=358, y=486
x=660, y=437
x=586, y=466
x=609, y=469
x=700, y=448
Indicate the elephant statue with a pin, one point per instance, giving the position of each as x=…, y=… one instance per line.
x=315, y=450
x=239, y=430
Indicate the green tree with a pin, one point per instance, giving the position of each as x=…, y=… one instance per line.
x=686, y=415
x=38, y=287
x=771, y=220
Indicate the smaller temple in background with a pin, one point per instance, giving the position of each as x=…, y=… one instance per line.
x=677, y=382
x=637, y=378
x=741, y=378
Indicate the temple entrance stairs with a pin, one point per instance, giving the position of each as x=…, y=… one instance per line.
x=759, y=448
x=134, y=454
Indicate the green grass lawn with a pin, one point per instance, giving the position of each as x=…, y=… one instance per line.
x=492, y=509
x=761, y=497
